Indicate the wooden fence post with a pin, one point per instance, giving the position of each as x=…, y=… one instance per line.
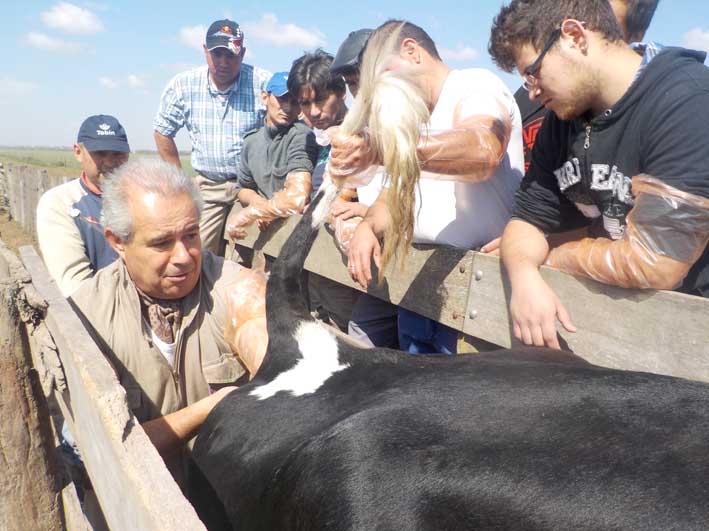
x=29, y=479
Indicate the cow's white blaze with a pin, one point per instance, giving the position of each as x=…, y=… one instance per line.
x=320, y=361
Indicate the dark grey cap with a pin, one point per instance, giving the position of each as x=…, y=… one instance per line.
x=348, y=54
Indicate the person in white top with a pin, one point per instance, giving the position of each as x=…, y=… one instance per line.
x=472, y=163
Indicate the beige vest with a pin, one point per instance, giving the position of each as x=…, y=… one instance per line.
x=203, y=359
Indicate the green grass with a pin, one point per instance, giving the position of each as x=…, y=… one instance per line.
x=61, y=162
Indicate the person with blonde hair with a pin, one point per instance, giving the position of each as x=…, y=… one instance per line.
x=458, y=189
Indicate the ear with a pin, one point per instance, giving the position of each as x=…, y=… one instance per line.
x=410, y=50
x=264, y=97
x=115, y=242
x=206, y=52
x=77, y=149
x=575, y=34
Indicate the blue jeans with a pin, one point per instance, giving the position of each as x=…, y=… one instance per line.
x=421, y=335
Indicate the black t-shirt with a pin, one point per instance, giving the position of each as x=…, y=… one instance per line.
x=533, y=114
x=581, y=170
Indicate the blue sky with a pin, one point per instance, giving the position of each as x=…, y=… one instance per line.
x=62, y=61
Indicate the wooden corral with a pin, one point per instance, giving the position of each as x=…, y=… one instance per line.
x=661, y=332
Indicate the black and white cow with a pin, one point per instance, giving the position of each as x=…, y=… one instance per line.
x=329, y=436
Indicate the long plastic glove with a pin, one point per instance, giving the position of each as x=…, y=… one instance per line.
x=246, y=324
x=286, y=202
x=468, y=152
x=667, y=231
x=344, y=230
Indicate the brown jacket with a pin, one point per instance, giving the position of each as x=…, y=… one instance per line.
x=109, y=301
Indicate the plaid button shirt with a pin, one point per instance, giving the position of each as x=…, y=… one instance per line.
x=216, y=121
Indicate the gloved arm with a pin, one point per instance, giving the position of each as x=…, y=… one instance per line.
x=286, y=202
x=246, y=325
x=667, y=231
x=470, y=151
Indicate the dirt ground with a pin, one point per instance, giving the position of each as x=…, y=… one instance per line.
x=11, y=233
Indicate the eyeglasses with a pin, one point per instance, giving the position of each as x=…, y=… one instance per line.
x=529, y=79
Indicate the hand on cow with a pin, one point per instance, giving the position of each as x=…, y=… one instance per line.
x=534, y=309
x=363, y=247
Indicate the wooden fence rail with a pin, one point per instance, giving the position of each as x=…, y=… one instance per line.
x=644, y=330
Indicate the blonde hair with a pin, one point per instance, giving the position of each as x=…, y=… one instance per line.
x=394, y=108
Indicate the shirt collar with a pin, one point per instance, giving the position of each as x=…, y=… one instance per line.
x=91, y=187
x=213, y=89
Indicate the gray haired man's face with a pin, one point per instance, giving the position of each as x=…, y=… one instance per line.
x=164, y=255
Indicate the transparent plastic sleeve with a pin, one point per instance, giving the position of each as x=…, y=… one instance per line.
x=286, y=202
x=246, y=318
x=667, y=231
x=344, y=230
x=468, y=152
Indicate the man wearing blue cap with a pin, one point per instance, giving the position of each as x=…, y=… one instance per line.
x=218, y=104
x=277, y=162
x=69, y=231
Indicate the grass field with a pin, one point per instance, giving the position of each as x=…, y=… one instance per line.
x=61, y=162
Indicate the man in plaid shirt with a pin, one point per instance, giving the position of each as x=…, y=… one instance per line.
x=218, y=104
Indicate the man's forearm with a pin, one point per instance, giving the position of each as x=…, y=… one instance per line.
x=378, y=215
x=167, y=149
x=170, y=432
x=473, y=149
x=247, y=197
x=524, y=248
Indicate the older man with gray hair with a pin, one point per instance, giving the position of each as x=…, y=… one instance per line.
x=180, y=325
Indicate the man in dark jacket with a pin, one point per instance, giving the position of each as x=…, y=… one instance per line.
x=620, y=154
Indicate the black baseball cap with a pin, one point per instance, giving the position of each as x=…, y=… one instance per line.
x=103, y=132
x=347, y=56
x=227, y=34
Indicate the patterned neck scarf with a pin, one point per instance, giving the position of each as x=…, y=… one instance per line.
x=163, y=315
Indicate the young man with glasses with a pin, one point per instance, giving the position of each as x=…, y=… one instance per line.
x=634, y=17
x=619, y=154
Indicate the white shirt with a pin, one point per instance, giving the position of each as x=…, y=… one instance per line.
x=167, y=349
x=468, y=215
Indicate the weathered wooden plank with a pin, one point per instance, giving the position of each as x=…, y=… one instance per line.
x=131, y=482
x=434, y=282
x=656, y=331
x=30, y=473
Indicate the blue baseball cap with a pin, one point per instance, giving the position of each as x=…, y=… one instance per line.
x=103, y=132
x=278, y=84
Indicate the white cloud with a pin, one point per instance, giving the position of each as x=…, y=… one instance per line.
x=15, y=87
x=269, y=30
x=459, y=54
x=135, y=81
x=108, y=82
x=697, y=39
x=45, y=42
x=193, y=36
x=71, y=19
